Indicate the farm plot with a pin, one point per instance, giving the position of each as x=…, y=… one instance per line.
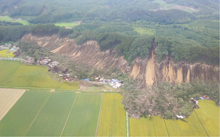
x=83, y=116
x=6, y=68
x=154, y=126
x=20, y=116
x=52, y=117
x=208, y=114
x=6, y=53
x=45, y=81
x=191, y=127
x=8, y=97
x=23, y=76
x=112, y=121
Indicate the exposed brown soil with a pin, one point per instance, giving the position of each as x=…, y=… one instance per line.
x=8, y=97
x=148, y=70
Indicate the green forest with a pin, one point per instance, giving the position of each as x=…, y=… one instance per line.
x=185, y=30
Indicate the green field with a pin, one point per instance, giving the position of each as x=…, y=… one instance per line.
x=52, y=117
x=146, y=31
x=21, y=115
x=87, y=107
x=64, y=112
x=15, y=74
x=9, y=19
x=44, y=113
x=7, y=68
x=67, y=24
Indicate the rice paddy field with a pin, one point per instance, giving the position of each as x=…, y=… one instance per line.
x=61, y=112
x=6, y=53
x=14, y=74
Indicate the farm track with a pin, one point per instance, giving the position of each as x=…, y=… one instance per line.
x=37, y=114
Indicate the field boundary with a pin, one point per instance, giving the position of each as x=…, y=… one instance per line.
x=99, y=116
x=201, y=123
x=68, y=116
x=127, y=124
x=166, y=127
x=37, y=115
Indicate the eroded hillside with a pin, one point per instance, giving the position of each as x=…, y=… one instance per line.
x=148, y=70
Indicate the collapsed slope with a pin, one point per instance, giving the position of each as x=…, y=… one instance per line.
x=148, y=70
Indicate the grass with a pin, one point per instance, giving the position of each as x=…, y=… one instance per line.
x=18, y=119
x=148, y=127
x=142, y=31
x=112, y=121
x=84, y=116
x=7, y=68
x=6, y=53
x=192, y=127
x=9, y=19
x=13, y=75
x=23, y=76
x=208, y=114
x=66, y=24
x=52, y=117
x=44, y=80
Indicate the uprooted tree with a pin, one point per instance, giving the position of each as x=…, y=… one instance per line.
x=164, y=99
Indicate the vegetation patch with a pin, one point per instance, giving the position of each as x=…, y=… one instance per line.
x=145, y=31
x=21, y=115
x=190, y=126
x=66, y=24
x=9, y=19
x=112, y=121
x=52, y=117
x=14, y=74
x=208, y=115
x=151, y=126
x=83, y=116
x=6, y=53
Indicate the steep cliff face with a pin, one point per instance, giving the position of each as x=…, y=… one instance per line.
x=147, y=70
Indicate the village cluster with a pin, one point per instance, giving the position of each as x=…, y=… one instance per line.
x=8, y=46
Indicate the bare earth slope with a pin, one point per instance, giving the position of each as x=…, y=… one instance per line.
x=147, y=70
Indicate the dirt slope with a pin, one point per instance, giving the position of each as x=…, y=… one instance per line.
x=147, y=70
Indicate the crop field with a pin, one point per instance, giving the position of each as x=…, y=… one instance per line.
x=112, y=121
x=15, y=74
x=7, y=68
x=21, y=115
x=148, y=127
x=209, y=117
x=9, y=19
x=40, y=112
x=52, y=117
x=6, y=53
x=8, y=97
x=85, y=113
x=190, y=127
